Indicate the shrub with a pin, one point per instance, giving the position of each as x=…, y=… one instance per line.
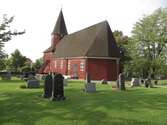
x=23, y=86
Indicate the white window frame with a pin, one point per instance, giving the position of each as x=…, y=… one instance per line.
x=69, y=65
x=55, y=64
x=61, y=64
x=82, y=65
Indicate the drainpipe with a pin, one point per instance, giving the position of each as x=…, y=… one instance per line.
x=86, y=66
x=117, y=64
x=66, y=70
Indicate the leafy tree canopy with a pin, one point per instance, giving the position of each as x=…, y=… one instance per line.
x=6, y=33
x=38, y=63
x=17, y=60
x=122, y=42
x=148, y=45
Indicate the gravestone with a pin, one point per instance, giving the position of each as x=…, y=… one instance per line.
x=25, y=76
x=58, y=88
x=121, y=81
x=148, y=83
x=6, y=76
x=114, y=87
x=31, y=76
x=43, y=77
x=39, y=76
x=156, y=82
x=33, y=83
x=89, y=86
x=103, y=81
x=151, y=84
x=117, y=83
x=65, y=81
x=66, y=77
x=142, y=81
x=48, y=86
x=135, y=82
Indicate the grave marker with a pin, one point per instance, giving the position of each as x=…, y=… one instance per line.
x=58, y=88
x=48, y=86
x=121, y=81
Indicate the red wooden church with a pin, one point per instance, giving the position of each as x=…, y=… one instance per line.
x=92, y=50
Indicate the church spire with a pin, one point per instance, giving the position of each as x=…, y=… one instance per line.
x=60, y=27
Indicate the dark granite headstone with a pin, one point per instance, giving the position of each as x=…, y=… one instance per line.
x=142, y=81
x=48, y=86
x=25, y=76
x=103, y=81
x=58, y=88
x=122, y=81
x=156, y=82
x=148, y=83
x=33, y=83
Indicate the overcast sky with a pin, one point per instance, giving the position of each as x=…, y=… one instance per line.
x=38, y=18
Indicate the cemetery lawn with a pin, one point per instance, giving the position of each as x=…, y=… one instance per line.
x=136, y=106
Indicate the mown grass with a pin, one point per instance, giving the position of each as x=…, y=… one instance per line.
x=136, y=106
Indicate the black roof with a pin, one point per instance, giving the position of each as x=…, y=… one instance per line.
x=60, y=26
x=94, y=41
x=50, y=49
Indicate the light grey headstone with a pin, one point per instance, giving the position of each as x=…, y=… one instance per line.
x=65, y=82
x=90, y=87
x=135, y=82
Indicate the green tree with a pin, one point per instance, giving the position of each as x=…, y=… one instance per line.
x=5, y=63
x=26, y=68
x=2, y=64
x=120, y=38
x=148, y=45
x=38, y=63
x=6, y=33
x=122, y=42
x=17, y=61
